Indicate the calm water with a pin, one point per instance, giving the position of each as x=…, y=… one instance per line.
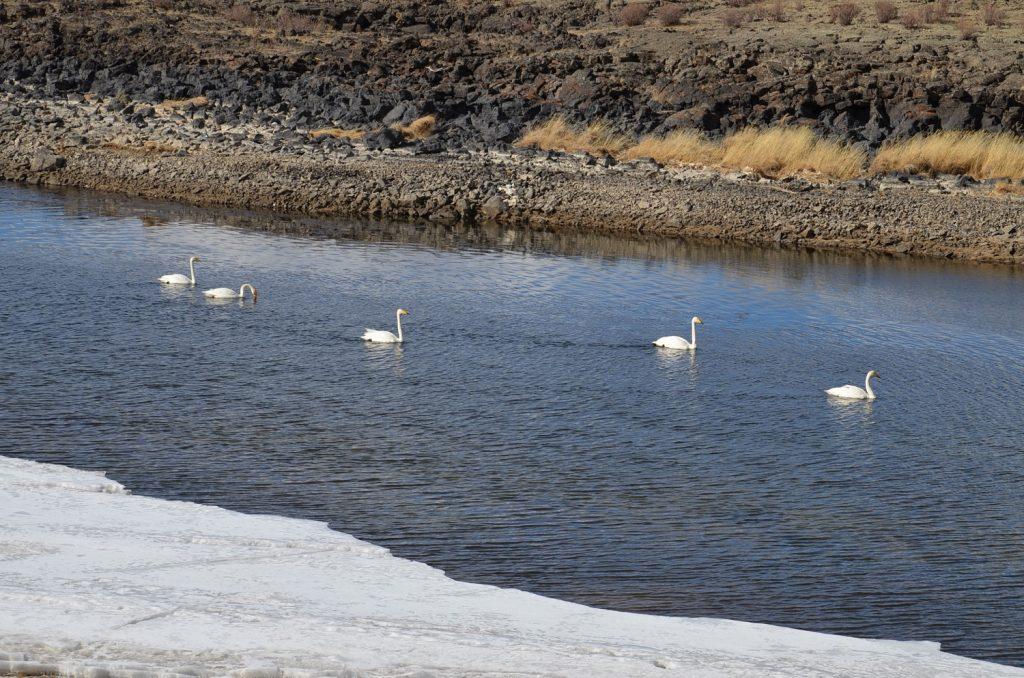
x=526, y=434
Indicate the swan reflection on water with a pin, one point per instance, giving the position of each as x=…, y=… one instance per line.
x=386, y=355
x=674, y=361
x=852, y=413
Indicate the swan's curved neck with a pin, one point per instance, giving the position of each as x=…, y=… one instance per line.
x=241, y=291
x=867, y=386
x=192, y=270
x=398, y=319
x=693, y=333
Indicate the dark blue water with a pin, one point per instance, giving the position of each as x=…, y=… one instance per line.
x=527, y=434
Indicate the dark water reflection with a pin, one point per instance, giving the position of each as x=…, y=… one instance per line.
x=527, y=435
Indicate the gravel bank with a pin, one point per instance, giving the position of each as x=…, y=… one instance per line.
x=166, y=154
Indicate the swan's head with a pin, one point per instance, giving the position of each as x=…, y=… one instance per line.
x=874, y=374
x=193, y=260
x=402, y=311
x=697, y=320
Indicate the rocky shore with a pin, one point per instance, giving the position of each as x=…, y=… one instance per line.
x=293, y=106
x=162, y=153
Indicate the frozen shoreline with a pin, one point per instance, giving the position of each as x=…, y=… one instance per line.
x=92, y=577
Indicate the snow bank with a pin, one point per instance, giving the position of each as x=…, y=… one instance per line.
x=22, y=473
x=96, y=582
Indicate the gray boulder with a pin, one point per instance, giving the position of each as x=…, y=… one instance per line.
x=46, y=161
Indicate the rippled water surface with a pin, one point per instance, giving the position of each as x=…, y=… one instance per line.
x=527, y=434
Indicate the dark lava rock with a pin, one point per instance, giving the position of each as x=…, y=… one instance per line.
x=384, y=138
x=428, y=146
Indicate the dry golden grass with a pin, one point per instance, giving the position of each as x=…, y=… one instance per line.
x=682, y=147
x=337, y=133
x=171, y=104
x=784, y=151
x=558, y=135
x=982, y=155
x=420, y=128
x=774, y=152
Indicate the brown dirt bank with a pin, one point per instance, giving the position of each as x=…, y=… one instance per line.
x=553, y=193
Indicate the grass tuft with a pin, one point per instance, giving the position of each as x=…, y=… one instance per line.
x=242, y=14
x=634, y=14
x=558, y=135
x=734, y=18
x=670, y=14
x=420, y=128
x=173, y=104
x=681, y=147
x=784, y=151
x=844, y=13
x=967, y=29
x=982, y=155
x=289, y=22
x=912, y=19
x=993, y=15
x=885, y=11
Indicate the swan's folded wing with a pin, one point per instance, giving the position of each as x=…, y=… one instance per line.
x=846, y=391
x=672, y=342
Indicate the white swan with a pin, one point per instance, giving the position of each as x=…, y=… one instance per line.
x=856, y=392
x=383, y=336
x=228, y=293
x=178, y=278
x=679, y=342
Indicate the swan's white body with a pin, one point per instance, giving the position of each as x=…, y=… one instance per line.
x=228, y=293
x=383, y=336
x=855, y=392
x=679, y=342
x=178, y=278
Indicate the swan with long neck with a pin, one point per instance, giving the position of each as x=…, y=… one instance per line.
x=228, y=293
x=178, y=278
x=856, y=392
x=679, y=342
x=385, y=337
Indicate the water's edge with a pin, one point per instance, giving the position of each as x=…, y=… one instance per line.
x=930, y=219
